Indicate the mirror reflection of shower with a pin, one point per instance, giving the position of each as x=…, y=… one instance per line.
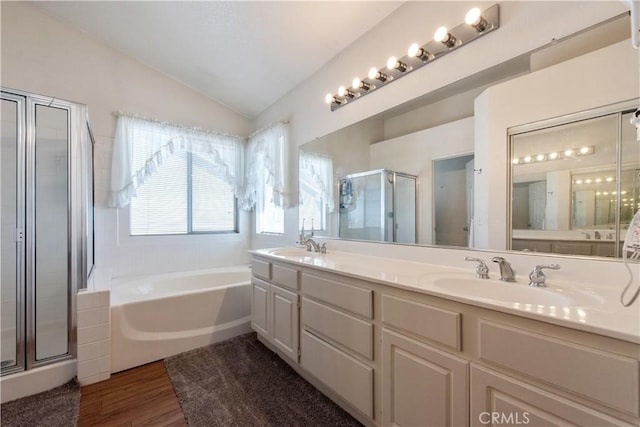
x=378, y=205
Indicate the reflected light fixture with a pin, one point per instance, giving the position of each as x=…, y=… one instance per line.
x=443, y=36
x=394, y=64
x=476, y=23
x=416, y=51
x=476, y=20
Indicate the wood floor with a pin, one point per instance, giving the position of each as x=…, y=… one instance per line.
x=139, y=396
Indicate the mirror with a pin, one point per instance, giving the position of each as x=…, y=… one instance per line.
x=570, y=195
x=433, y=139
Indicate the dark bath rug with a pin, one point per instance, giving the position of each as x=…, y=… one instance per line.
x=240, y=382
x=56, y=407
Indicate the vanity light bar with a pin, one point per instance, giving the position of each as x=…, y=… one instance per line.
x=569, y=153
x=477, y=24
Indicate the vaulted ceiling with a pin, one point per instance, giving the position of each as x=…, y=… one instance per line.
x=245, y=55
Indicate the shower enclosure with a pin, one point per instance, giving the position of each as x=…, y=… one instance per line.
x=378, y=205
x=46, y=168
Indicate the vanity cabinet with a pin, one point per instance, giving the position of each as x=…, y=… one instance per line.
x=338, y=338
x=422, y=385
x=513, y=402
x=276, y=305
x=395, y=356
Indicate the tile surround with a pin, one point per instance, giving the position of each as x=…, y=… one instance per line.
x=94, y=340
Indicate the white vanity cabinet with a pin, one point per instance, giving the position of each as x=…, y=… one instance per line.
x=337, y=334
x=422, y=385
x=275, y=306
x=398, y=356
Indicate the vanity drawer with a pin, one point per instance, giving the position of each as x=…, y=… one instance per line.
x=342, y=373
x=261, y=269
x=285, y=276
x=607, y=378
x=348, y=331
x=351, y=298
x=435, y=324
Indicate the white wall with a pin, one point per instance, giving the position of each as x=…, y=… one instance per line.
x=600, y=78
x=415, y=154
x=524, y=26
x=42, y=55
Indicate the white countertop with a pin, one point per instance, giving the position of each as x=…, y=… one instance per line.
x=581, y=306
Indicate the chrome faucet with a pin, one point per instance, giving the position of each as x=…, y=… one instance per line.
x=506, y=272
x=482, y=271
x=597, y=235
x=307, y=241
x=586, y=235
x=537, y=277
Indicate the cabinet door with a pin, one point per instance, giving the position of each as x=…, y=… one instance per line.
x=260, y=307
x=421, y=385
x=497, y=399
x=284, y=321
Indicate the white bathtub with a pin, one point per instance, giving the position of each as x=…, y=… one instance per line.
x=159, y=316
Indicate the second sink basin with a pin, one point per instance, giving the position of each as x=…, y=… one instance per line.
x=508, y=292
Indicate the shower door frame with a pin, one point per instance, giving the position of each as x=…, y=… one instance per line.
x=26, y=211
x=20, y=248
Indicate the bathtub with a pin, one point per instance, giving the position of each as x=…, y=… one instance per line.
x=158, y=316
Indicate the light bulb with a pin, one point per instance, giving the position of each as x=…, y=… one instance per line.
x=416, y=51
x=394, y=64
x=609, y=179
x=598, y=193
x=540, y=157
x=568, y=153
x=328, y=99
x=598, y=180
x=584, y=150
x=375, y=74
x=342, y=91
x=473, y=16
x=359, y=84
x=553, y=156
x=587, y=181
x=443, y=36
x=413, y=50
x=440, y=34
x=527, y=159
x=476, y=20
x=515, y=161
x=578, y=181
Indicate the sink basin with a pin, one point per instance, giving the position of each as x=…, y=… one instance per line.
x=294, y=254
x=518, y=293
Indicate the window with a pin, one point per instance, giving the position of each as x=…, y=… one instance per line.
x=178, y=180
x=184, y=197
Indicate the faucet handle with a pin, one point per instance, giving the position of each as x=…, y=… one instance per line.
x=482, y=271
x=537, y=278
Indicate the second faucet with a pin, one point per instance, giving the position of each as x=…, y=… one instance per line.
x=507, y=274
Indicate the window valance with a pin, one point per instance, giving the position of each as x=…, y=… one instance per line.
x=142, y=145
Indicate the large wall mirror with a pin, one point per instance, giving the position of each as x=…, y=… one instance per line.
x=407, y=175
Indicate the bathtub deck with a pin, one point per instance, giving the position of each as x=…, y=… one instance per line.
x=139, y=396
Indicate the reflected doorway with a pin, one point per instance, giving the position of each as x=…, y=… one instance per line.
x=453, y=200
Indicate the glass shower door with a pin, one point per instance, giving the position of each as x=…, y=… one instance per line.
x=50, y=198
x=12, y=234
